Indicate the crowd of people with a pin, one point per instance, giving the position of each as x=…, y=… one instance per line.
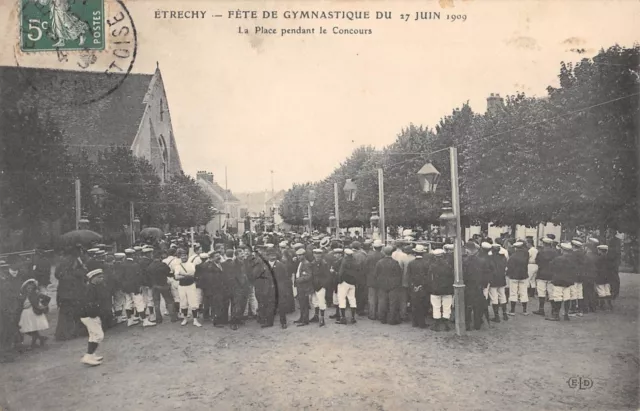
x=229, y=282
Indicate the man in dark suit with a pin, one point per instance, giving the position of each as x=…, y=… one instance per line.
x=304, y=285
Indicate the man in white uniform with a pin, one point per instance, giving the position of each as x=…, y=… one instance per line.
x=185, y=274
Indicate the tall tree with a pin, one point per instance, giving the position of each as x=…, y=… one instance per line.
x=35, y=173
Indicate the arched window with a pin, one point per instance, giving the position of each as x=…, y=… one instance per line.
x=165, y=157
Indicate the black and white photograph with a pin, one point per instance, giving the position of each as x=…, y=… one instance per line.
x=312, y=205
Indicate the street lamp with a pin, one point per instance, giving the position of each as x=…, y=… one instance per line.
x=350, y=188
x=448, y=221
x=374, y=220
x=136, y=225
x=83, y=223
x=429, y=178
x=332, y=222
x=98, y=195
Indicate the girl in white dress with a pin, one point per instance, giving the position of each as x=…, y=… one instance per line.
x=34, y=308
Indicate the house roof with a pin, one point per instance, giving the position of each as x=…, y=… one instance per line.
x=277, y=198
x=218, y=194
x=112, y=120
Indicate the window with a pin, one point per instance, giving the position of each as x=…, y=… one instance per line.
x=165, y=157
x=161, y=111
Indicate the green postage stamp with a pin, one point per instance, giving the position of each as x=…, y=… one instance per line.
x=62, y=25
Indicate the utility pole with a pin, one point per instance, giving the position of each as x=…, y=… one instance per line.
x=226, y=185
x=78, y=203
x=131, y=218
x=383, y=227
x=337, y=207
x=458, y=285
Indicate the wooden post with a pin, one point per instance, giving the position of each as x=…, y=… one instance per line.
x=131, y=218
x=382, y=226
x=337, y=207
x=458, y=285
x=78, y=203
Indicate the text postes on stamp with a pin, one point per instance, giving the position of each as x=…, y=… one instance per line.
x=62, y=25
x=85, y=75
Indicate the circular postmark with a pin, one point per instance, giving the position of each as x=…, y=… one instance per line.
x=75, y=52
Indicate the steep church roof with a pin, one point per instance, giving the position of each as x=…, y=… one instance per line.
x=112, y=120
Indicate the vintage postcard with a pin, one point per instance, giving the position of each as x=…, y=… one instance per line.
x=306, y=204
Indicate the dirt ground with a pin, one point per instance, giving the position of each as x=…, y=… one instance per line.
x=522, y=364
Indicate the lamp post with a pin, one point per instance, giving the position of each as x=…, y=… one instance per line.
x=305, y=221
x=332, y=223
x=429, y=177
x=312, y=200
x=374, y=221
x=83, y=223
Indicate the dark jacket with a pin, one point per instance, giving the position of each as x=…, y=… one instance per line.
x=517, y=266
x=370, y=267
x=564, y=272
x=350, y=270
x=91, y=301
x=498, y=279
x=418, y=272
x=304, y=283
x=70, y=277
x=157, y=273
x=280, y=272
x=543, y=259
x=606, y=269
x=321, y=274
x=388, y=274
x=487, y=269
x=10, y=291
x=41, y=270
x=589, y=269
x=131, y=277
x=441, y=276
x=210, y=278
x=144, y=262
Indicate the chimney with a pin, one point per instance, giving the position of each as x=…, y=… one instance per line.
x=494, y=103
x=205, y=175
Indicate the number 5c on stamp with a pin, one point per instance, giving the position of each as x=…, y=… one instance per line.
x=62, y=25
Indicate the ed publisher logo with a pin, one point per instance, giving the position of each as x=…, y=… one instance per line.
x=580, y=383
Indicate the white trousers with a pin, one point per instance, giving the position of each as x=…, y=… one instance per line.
x=532, y=271
x=119, y=298
x=545, y=289
x=441, y=303
x=576, y=291
x=188, y=297
x=561, y=293
x=94, y=326
x=336, y=301
x=603, y=290
x=199, y=295
x=137, y=301
x=147, y=292
x=318, y=299
x=346, y=291
x=497, y=295
x=518, y=290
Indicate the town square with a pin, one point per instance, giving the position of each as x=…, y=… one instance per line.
x=374, y=206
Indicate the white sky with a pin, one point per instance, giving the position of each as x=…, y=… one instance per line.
x=300, y=104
